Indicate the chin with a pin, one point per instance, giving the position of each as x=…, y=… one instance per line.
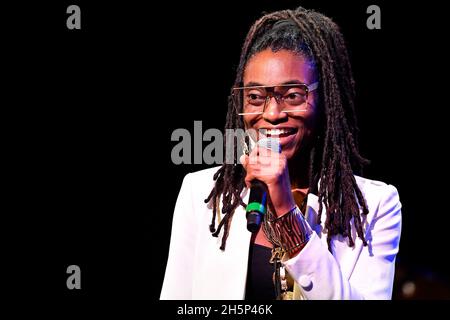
x=289, y=153
x=291, y=149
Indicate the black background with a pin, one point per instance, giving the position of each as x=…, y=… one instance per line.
x=90, y=112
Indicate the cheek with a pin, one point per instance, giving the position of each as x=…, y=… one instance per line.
x=307, y=128
x=249, y=121
x=246, y=122
x=310, y=128
x=311, y=121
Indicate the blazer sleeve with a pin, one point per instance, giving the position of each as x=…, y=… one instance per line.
x=319, y=274
x=177, y=284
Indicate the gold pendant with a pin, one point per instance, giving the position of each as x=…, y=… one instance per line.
x=287, y=295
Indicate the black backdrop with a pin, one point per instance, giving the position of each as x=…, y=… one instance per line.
x=92, y=111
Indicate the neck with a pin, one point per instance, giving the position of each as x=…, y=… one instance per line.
x=298, y=171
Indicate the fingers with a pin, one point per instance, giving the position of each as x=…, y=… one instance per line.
x=264, y=152
x=260, y=155
x=244, y=160
x=262, y=164
x=248, y=179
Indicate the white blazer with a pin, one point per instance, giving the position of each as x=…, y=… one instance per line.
x=198, y=269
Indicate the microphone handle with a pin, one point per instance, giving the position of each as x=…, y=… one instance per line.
x=257, y=205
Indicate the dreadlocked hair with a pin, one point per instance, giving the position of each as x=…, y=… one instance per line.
x=334, y=157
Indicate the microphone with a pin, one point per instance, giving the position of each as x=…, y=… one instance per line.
x=257, y=202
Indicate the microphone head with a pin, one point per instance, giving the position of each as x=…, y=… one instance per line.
x=272, y=144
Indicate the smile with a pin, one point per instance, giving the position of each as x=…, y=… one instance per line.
x=278, y=132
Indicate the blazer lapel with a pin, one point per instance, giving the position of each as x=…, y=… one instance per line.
x=231, y=269
x=343, y=254
x=227, y=270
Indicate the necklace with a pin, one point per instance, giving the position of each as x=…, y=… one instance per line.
x=283, y=282
x=269, y=216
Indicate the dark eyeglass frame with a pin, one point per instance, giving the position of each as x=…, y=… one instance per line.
x=309, y=88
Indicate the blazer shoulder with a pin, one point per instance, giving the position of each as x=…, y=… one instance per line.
x=202, y=177
x=369, y=186
x=205, y=175
x=200, y=182
x=382, y=197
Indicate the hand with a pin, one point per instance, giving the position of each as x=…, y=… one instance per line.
x=272, y=169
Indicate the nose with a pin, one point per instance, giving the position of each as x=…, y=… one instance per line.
x=272, y=111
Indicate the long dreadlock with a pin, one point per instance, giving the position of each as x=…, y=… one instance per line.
x=334, y=157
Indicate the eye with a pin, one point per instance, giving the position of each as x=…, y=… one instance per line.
x=255, y=99
x=253, y=96
x=294, y=98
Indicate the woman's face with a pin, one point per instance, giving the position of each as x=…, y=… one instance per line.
x=268, y=68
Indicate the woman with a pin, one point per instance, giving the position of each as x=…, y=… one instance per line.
x=328, y=234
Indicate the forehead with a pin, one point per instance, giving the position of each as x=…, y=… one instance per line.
x=269, y=68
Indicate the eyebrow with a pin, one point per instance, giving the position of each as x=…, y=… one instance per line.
x=257, y=84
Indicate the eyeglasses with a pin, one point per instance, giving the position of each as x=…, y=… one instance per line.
x=291, y=97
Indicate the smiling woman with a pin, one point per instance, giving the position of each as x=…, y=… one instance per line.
x=294, y=112
x=293, y=84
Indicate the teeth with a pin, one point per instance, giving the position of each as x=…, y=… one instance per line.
x=275, y=132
